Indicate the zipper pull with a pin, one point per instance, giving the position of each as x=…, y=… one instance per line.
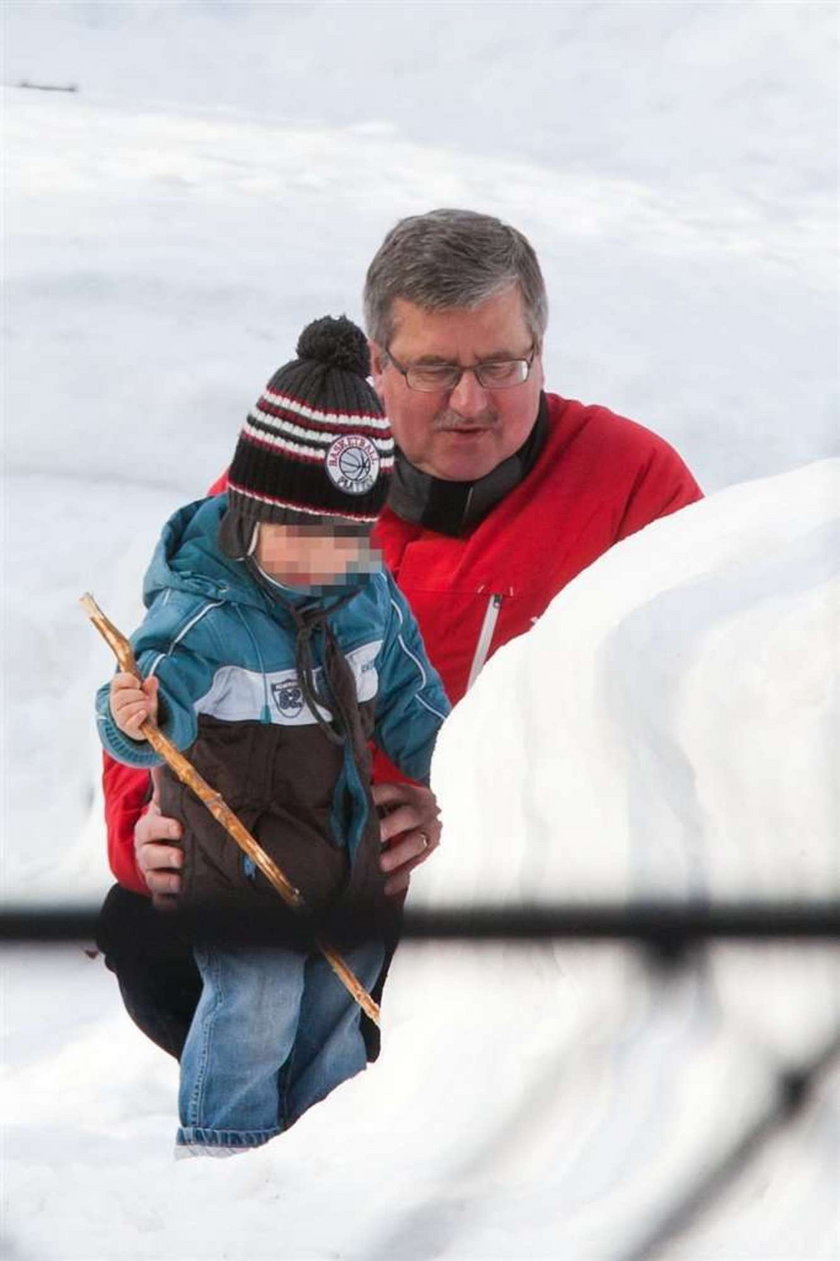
x=485, y=637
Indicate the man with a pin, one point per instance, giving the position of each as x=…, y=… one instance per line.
x=501, y=494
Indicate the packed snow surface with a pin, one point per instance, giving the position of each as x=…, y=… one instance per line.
x=668, y=728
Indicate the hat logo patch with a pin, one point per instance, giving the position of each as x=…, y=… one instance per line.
x=353, y=464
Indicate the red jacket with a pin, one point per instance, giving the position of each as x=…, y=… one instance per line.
x=598, y=479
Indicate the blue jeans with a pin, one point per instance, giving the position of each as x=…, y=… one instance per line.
x=274, y=1032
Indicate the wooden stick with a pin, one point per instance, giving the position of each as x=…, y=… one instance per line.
x=219, y=809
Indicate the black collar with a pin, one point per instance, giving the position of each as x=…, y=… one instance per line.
x=456, y=508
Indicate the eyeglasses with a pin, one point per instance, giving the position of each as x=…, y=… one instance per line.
x=493, y=374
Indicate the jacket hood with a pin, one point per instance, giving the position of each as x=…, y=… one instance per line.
x=188, y=558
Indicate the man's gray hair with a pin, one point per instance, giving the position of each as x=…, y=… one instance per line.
x=448, y=259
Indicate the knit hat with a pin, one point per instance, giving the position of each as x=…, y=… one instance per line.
x=316, y=448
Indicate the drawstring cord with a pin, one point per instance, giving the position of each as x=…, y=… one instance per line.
x=308, y=619
x=307, y=623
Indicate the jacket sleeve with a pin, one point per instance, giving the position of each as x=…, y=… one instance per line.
x=663, y=485
x=184, y=676
x=127, y=791
x=411, y=703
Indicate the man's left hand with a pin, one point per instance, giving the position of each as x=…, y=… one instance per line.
x=410, y=831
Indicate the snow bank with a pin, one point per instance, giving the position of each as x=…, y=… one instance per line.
x=670, y=726
x=532, y=1101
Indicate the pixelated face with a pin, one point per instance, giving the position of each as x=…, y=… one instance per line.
x=314, y=556
x=463, y=433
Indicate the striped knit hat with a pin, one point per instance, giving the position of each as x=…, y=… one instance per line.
x=316, y=448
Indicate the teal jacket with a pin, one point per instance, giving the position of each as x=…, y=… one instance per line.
x=224, y=647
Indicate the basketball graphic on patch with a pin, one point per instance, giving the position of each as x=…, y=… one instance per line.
x=353, y=464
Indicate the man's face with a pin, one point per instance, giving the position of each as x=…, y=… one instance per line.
x=464, y=433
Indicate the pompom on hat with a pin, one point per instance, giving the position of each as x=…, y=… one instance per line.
x=316, y=448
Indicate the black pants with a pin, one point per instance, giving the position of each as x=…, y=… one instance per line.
x=157, y=975
x=158, y=979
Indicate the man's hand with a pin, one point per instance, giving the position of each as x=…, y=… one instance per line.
x=409, y=831
x=409, y=834
x=160, y=863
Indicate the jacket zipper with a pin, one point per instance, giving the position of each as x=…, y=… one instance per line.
x=485, y=638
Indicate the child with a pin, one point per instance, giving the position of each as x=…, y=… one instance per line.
x=274, y=649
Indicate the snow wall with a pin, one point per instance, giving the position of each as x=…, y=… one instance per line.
x=666, y=729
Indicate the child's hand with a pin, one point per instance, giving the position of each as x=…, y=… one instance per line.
x=132, y=704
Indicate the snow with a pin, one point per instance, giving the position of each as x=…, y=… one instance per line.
x=670, y=727
x=682, y=688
